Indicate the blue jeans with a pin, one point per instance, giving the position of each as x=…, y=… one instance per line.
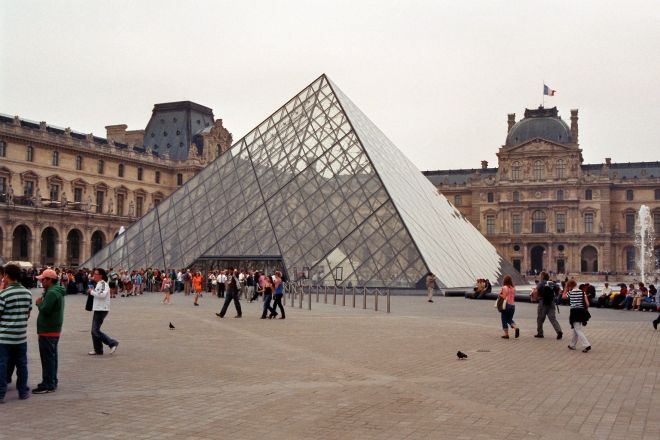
x=48, y=353
x=267, y=308
x=507, y=316
x=98, y=337
x=14, y=354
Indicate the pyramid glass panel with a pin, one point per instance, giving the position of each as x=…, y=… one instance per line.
x=317, y=185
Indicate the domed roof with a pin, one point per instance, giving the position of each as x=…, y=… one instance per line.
x=540, y=123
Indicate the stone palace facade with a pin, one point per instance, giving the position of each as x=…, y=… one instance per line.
x=65, y=194
x=544, y=209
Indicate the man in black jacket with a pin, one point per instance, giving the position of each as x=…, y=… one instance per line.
x=233, y=284
x=547, y=290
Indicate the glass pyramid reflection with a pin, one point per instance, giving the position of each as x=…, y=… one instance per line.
x=318, y=185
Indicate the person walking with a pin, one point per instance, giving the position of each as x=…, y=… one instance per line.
x=430, y=285
x=508, y=294
x=15, y=307
x=268, y=296
x=279, y=294
x=231, y=294
x=49, y=328
x=547, y=290
x=654, y=291
x=197, y=281
x=101, y=294
x=167, y=289
x=578, y=317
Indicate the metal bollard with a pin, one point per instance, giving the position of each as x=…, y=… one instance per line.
x=364, y=298
x=388, y=300
x=334, y=297
x=309, y=300
x=318, y=288
x=300, y=300
x=353, y=297
x=376, y=293
x=343, y=295
x=325, y=295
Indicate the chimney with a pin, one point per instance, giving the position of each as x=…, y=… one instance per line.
x=116, y=133
x=511, y=121
x=484, y=164
x=574, y=125
x=608, y=161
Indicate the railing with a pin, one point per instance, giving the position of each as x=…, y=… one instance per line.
x=303, y=294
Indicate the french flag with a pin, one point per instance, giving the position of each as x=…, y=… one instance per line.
x=548, y=91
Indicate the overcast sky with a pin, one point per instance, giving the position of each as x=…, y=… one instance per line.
x=437, y=77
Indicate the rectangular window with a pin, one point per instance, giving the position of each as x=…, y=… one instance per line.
x=56, y=158
x=588, y=194
x=157, y=176
x=77, y=195
x=657, y=195
x=3, y=148
x=139, y=206
x=516, y=196
x=120, y=170
x=516, y=223
x=3, y=186
x=491, y=197
x=101, y=166
x=79, y=163
x=490, y=224
x=589, y=222
x=630, y=223
x=656, y=223
x=630, y=195
x=156, y=202
x=560, y=221
x=28, y=189
x=179, y=179
x=30, y=153
x=139, y=173
x=54, y=192
x=120, y=204
x=99, y=202
x=458, y=200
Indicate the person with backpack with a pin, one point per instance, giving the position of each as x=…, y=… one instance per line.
x=547, y=292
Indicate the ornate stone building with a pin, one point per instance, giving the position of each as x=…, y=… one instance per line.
x=544, y=209
x=65, y=194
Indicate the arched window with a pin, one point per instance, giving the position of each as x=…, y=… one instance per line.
x=538, y=170
x=561, y=169
x=538, y=222
x=516, y=171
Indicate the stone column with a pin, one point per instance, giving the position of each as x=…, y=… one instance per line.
x=525, y=266
x=551, y=267
x=60, y=251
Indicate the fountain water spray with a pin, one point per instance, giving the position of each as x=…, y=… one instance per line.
x=645, y=240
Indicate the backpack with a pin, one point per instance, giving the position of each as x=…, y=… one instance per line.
x=548, y=293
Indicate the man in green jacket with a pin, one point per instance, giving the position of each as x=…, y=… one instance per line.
x=49, y=327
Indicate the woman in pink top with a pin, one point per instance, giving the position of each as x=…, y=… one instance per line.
x=508, y=292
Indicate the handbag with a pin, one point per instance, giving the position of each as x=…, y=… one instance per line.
x=500, y=303
x=89, y=305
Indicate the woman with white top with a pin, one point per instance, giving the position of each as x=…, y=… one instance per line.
x=101, y=294
x=579, y=315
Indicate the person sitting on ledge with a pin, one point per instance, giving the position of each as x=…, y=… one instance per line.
x=604, y=298
x=619, y=300
x=630, y=297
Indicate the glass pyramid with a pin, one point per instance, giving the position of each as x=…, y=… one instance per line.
x=318, y=186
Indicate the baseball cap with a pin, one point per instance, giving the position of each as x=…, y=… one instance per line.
x=48, y=273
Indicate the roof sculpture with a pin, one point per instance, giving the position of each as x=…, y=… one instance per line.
x=318, y=185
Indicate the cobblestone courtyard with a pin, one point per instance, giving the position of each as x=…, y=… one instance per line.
x=342, y=373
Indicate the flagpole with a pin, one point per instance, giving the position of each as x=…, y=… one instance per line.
x=543, y=94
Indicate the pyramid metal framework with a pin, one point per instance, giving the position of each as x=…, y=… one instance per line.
x=318, y=185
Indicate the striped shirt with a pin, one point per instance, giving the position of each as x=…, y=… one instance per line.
x=576, y=299
x=15, y=306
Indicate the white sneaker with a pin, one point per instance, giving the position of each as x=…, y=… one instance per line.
x=93, y=353
x=114, y=348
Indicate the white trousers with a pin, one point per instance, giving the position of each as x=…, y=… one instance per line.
x=578, y=333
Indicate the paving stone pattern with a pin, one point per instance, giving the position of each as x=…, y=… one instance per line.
x=340, y=373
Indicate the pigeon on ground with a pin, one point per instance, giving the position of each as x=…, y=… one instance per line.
x=171, y=326
x=461, y=355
